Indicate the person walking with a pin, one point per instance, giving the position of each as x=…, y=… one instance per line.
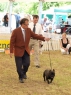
x=19, y=45
x=37, y=29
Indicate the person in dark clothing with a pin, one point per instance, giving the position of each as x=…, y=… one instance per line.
x=62, y=21
x=19, y=44
x=6, y=20
x=65, y=44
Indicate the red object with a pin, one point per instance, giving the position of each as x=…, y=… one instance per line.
x=64, y=30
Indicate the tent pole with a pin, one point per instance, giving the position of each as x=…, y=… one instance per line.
x=40, y=10
x=10, y=12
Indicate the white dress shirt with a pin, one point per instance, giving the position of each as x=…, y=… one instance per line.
x=38, y=27
x=45, y=24
x=23, y=32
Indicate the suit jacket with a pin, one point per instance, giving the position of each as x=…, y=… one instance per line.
x=17, y=43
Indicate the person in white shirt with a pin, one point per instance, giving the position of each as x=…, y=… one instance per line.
x=45, y=23
x=37, y=28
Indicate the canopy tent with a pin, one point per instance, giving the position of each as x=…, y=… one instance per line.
x=36, y=0
x=48, y=13
x=57, y=13
x=40, y=6
x=10, y=8
x=64, y=9
x=61, y=10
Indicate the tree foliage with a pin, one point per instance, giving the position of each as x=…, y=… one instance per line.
x=3, y=7
x=30, y=8
x=47, y=5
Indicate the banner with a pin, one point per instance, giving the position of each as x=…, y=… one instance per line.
x=4, y=44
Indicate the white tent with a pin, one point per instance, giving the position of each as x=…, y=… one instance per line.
x=36, y=0
x=40, y=6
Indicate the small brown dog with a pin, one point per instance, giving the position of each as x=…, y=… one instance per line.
x=49, y=75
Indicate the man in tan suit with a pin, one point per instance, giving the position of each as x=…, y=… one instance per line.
x=34, y=42
x=19, y=44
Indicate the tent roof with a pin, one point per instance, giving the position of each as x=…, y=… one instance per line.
x=64, y=9
x=36, y=0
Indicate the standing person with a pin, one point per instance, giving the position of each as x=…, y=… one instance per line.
x=6, y=20
x=65, y=44
x=19, y=43
x=35, y=42
x=62, y=21
x=45, y=23
x=17, y=16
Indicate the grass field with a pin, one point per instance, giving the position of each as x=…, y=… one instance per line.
x=34, y=85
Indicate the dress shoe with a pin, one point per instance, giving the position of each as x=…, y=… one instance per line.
x=37, y=66
x=21, y=80
x=25, y=76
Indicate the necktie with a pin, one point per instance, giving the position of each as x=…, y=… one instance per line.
x=34, y=28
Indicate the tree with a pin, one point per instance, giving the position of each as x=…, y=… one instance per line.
x=33, y=8
x=3, y=7
x=30, y=8
x=47, y=5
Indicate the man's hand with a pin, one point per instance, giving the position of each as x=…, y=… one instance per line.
x=11, y=54
x=47, y=39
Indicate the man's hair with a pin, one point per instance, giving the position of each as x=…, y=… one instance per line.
x=35, y=16
x=22, y=21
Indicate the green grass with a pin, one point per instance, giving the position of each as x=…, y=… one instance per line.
x=34, y=85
